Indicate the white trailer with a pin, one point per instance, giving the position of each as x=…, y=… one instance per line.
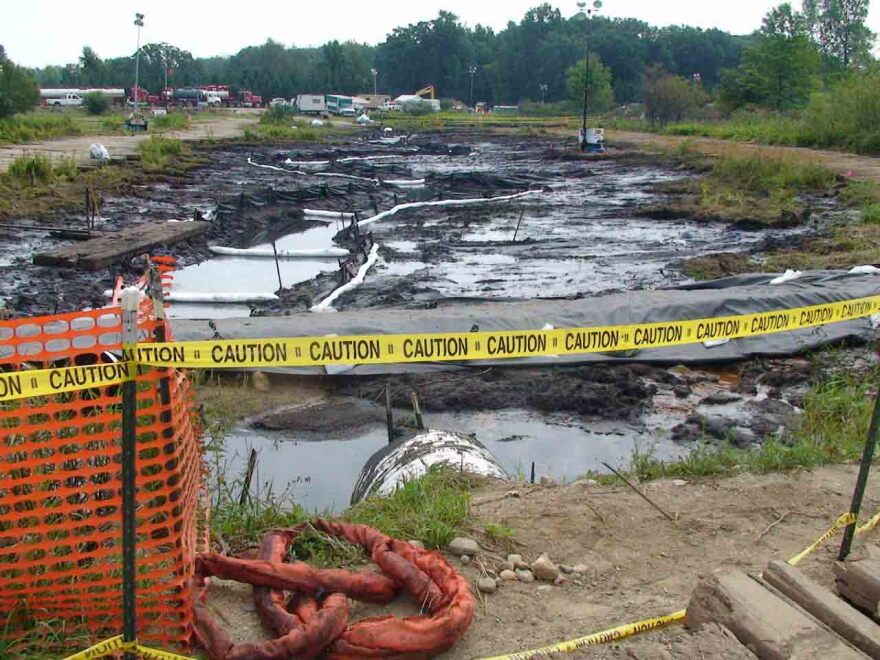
x=310, y=104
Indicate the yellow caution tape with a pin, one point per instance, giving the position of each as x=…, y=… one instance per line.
x=99, y=650
x=115, y=644
x=840, y=523
x=43, y=382
x=432, y=347
x=463, y=346
x=603, y=637
x=871, y=524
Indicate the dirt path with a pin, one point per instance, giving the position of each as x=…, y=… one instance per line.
x=222, y=126
x=639, y=564
x=851, y=165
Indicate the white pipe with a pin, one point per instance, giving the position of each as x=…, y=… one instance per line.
x=301, y=173
x=326, y=305
x=318, y=213
x=445, y=202
x=351, y=159
x=307, y=163
x=405, y=183
x=231, y=297
x=305, y=253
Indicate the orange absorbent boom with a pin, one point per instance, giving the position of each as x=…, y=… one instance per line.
x=309, y=624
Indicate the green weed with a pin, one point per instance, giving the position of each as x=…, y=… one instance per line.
x=37, y=126
x=432, y=509
x=498, y=532
x=156, y=152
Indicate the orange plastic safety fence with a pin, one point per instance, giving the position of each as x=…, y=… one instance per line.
x=60, y=486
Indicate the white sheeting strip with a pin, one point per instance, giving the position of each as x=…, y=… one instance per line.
x=445, y=202
x=405, y=183
x=305, y=253
x=351, y=159
x=326, y=305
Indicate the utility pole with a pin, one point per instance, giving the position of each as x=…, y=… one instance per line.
x=375, y=73
x=472, y=70
x=588, y=14
x=139, y=21
x=543, y=88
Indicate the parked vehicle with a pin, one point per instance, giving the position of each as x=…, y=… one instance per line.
x=73, y=96
x=278, y=103
x=340, y=105
x=310, y=104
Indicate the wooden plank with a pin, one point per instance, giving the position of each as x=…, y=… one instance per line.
x=846, y=621
x=858, y=581
x=101, y=251
x=763, y=622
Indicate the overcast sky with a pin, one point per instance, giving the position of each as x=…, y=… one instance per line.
x=41, y=32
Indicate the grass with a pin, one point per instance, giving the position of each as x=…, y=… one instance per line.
x=433, y=509
x=34, y=126
x=837, y=412
x=157, y=152
x=30, y=170
x=759, y=188
x=25, y=635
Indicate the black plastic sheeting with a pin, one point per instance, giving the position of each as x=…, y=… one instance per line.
x=724, y=297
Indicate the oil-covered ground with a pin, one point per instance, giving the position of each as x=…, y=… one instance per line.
x=564, y=225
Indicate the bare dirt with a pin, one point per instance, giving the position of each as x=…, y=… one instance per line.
x=640, y=565
x=219, y=126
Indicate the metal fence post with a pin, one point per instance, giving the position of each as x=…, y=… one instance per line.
x=130, y=299
x=862, y=481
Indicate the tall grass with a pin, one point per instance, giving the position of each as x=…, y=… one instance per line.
x=39, y=168
x=432, y=509
x=37, y=126
x=173, y=121
x=156, y=152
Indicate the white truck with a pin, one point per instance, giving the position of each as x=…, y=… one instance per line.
x=57, y=98
x=310, y=104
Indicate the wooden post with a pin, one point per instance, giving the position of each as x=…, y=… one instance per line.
x=420, y=423
x=248, y=476
x=389, y=417
x=130, y=299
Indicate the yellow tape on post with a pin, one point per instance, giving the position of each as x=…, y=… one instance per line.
x=147, y=653
x=840, y=523
x=602, y=637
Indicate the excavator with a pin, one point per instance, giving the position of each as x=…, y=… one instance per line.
x=425, y=91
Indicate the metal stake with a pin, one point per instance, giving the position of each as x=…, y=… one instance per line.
x=517, y=225
x=389, y=418
x=862, y=480
x=130, y=298
x=277, y=267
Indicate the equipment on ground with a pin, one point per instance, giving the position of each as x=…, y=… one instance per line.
x=426, y=92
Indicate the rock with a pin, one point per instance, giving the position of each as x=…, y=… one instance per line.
x=681, y=392
x=512, y=493
x=416, y=544
x=544, y=569
x=522, y=565
x=679, y=482
x=492, y=574
x=525, y=576
x=720, y=398
x=586, y=482
x=507, y=575
x=462, y=546
x=546, y=481
x=513, y=559
x=465, y=559
x=487, y=585
x=506, y=566
x=565, y=568
x=544, y=587
x=580, y=568
x=560, y=580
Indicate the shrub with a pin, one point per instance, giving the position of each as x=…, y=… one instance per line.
x=417, y=108
x=277, y=114
x=18, y=90
x=96, y=103
x=31, y=169
x=156, y=151
x=37, y=126
x=177, y=121
x=670, y=98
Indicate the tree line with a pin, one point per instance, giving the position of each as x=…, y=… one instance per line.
x=539, y=58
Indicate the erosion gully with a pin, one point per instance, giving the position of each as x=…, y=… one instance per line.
x=580, y=234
